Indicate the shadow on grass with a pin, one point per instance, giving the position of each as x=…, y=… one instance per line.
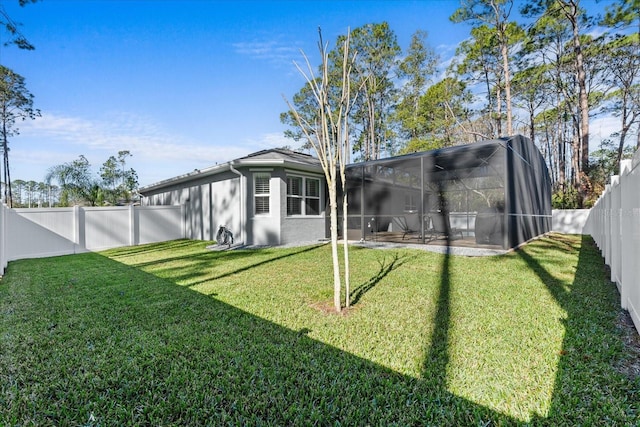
x=359, y=291
x=592, y=346
x=435, y=364
x=193, y=264
x=159, y=354
x=268, y=260
x=154, y=247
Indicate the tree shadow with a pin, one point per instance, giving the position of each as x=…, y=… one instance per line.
x=193, y=264
x=592, y=348
x=245, y=253
x=437, y=355
x=384, y=269
x=187, y=358
x=153, y=353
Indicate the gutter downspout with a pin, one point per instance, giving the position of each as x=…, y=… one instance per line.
x=242, y=201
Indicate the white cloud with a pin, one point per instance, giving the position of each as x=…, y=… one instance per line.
x=273, y=140
x=137, y=134
x=157, y=153
x=274, y=51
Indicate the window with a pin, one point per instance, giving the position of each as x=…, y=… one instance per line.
x=303, y=196
x=410, y=203
x=294, y=195
x=261, y=193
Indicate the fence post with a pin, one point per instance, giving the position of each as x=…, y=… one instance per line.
x=132, y=226
x=615, y=263
x=3, y=239
x=626, y=225
x=79, y=230
x=183, y=215
x=606, y=225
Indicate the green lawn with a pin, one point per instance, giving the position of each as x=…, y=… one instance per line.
x=175, y=334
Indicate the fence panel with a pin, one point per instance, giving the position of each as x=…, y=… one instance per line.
x=41, y=232
x=107, y=227
x=44, y=232
x=158, y=223
x=614, y=223
x=570, y=221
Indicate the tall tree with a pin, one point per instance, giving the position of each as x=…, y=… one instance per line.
x=76, y=182
x=372, y=74
x=30, y=188
x=442, y=116
x=477, y=62
x=545, y=59
x=624, y=98
x=16, y=103
x=568, y=16
x=530, y=91
x=495, y=14
x=13, y=28
x=305, y=107
x=415, y=71
x=328, y=134
x=625, y=69
x=118, y=183
x=110, y=174
x=42, y=193
x=17, y=188
x=128, y=177
x=570, y=12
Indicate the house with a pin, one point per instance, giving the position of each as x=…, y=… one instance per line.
x=492, y=193
x=270, y=197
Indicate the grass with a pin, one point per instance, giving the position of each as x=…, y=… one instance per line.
x=174, y=334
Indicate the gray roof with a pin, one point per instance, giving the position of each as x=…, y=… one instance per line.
x=282, y=154
x=265, y=158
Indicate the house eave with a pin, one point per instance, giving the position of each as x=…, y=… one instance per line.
x=213, y=170
x=240, y=163
x=284, y=163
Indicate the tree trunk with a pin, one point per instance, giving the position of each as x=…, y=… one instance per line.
x=345, y=242
x=562, y=160
x=532, y=118
x=507, y=86
x=575, y=154
x=498, y=111
x=623, y=135
x=581, y=75
x=333, y=207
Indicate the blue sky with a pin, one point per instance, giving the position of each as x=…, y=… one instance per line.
x=180, y=84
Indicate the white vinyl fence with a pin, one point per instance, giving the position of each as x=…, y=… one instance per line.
x=614, y=224
x=570, y=221
x=44, y=232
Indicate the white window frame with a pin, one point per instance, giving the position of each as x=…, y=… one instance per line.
x=304, y=197
x=261, y=195
x=410, y=203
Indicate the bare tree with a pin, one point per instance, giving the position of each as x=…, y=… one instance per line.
x=328, y=134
